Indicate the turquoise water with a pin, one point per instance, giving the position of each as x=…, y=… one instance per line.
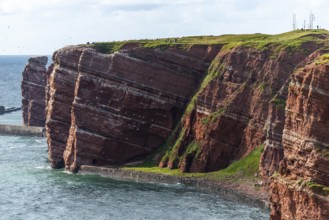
x=30, y=189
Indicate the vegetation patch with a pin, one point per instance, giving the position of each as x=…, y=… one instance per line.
x=317, y=188
x=323, y=150
x=304, y=185
x=324, y=59
x=164, y=151
x=190, y=106
x=193, y=149
x=241, y=170
x=213, y=116
x=289, y=41
x=108, y=47
x=246, y=167
x=261, y=86
x=205, y=120
x=170, y=153
x=279, y=102
x=214, y=71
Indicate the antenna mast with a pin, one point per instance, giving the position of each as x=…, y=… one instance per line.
x=312, y=19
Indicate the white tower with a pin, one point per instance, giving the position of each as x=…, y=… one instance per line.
x=312, y=19
x=294, y=24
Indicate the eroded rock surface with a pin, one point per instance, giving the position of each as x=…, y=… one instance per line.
x=61, y=80
x=229, y=115
x=116, y=108
x=300, y=189
x=33, y=91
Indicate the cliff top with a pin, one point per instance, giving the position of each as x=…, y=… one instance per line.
x=259, y=41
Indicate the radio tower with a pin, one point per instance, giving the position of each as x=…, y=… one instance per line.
x=294, y=25
x=312, y=19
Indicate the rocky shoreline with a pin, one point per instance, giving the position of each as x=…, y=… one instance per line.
x=238, y=192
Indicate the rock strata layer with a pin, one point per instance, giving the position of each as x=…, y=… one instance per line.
x=33, y=91
x=62, y=75
x=301, y=188
x=117, y=108
x=240, y=104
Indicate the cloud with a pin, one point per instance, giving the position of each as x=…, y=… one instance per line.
x=19, y=6
x=132, y=7
x=44, y=26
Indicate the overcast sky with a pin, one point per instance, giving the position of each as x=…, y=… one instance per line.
x=36, y=27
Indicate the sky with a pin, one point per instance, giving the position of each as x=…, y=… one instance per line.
x=39, y=27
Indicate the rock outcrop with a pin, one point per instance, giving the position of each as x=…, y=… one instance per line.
x=229, y=113
x=33, y=91
x=62, y=75
x=301, y=188
x=118, y=108
x=273, y=147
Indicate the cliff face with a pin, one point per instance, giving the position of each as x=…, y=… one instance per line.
x=199, y=108
x=301, y=188
x=33, y=91
x=274, y=149
x=62, y=75
x=227, y=117
x=118, y=108
x=121, y=107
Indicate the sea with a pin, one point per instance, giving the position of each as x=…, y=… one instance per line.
x=31, y=190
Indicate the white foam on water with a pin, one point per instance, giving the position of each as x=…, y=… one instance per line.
x=44, y=167
x=40, y=140
x=67, y=172
x=17, y=146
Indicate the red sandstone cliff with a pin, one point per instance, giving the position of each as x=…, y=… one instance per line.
x=33, y=91
x=61, y=78
x=117, y=108
x=301, y=188
x=228, y=117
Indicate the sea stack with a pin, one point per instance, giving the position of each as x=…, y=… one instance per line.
x=33, y=91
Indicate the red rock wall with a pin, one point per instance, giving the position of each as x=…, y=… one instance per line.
x=33, y=91
x=231, y=111
x=289, y=201
x=118, y=108
x=300, y=190
x=61, y=80
x=273, y=147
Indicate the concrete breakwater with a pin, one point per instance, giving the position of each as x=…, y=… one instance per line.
x=4, y=110
x=22, y=130
x=201, y=184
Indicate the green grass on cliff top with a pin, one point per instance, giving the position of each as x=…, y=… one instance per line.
x=259, y=41
x=238, y=170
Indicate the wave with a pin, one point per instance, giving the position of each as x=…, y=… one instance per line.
x=44, y=167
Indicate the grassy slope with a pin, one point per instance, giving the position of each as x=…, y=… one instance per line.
x=241, y=170
x=260, y=41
